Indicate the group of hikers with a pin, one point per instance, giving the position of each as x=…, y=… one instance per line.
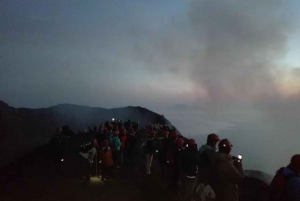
x=207, y=173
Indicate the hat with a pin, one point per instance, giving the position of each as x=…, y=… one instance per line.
x=213, y=138
x=225, y=143
x=192, y=142
x=180, y=142
x=295, y=161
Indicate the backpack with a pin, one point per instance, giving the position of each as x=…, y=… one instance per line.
x=277, y=191
x=86, y=147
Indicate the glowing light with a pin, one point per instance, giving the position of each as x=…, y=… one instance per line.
x=62, y=160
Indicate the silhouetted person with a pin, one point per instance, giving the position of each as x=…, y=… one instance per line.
x=149, y=152
x=228, y=174
x=190, y=169
x=130, y=145
x=58, y=145
x=87, y=156
x=163, y=152
x=107, y=161
x=286, y=183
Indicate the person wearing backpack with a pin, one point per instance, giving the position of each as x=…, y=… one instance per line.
x=175, y=158
x=207, y=156
x=149, y=151
x=227, y=174
x=190, y=169
x=115, y=145
x=130, y=144
x=163, y=152
x=106, y=156
x=58, y=144
x=285, y=185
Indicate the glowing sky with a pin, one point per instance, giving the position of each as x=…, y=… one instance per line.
x=150, y=53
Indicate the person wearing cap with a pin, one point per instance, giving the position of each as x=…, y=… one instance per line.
x=149, y=152
x=207, y=156
x=106, y=156
x=130, y=146
x=227, y=174
x=163, y=152
x=190, y=169
x=291, y=173
x=175, y=156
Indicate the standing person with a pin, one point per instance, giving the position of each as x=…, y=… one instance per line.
x=149, y=151
x=285, y=185
x=130, y=145
x=58, y=145
x=100, y=135
x=115, y=145
x=163, y=152
x=123, y=138
x=107, y=161
x=86, y=156
x=207, y=156
x=175, y=162
x=109, y=133
x=190, y=169
x=227, y=174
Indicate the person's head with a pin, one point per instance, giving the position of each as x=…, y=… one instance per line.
x=124, y=131
x=105, y=143
x=165, y=133
x=116, y=132
x=212, y=140
x=295, y=163
x=179, y=142
x=95, y=143
x=225, y=146
x=192, y=144
x=101, y=128
x=173, y=136
x=153, y=134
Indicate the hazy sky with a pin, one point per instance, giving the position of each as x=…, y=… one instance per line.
x=150, y=53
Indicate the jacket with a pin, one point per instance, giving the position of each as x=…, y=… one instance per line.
x=106, y=156
x=206, y=158
x=292, y=186
x=115, y=143
x=227, y=178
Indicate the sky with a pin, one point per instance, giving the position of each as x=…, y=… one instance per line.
x=238, y=61
x=154, y=54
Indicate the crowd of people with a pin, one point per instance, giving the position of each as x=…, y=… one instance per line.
x=207, y=173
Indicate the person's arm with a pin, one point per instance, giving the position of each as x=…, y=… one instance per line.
x=234, y=175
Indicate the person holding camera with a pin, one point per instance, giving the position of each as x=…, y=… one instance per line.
x=228, y=173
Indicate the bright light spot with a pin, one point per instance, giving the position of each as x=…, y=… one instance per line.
x=62, y=160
